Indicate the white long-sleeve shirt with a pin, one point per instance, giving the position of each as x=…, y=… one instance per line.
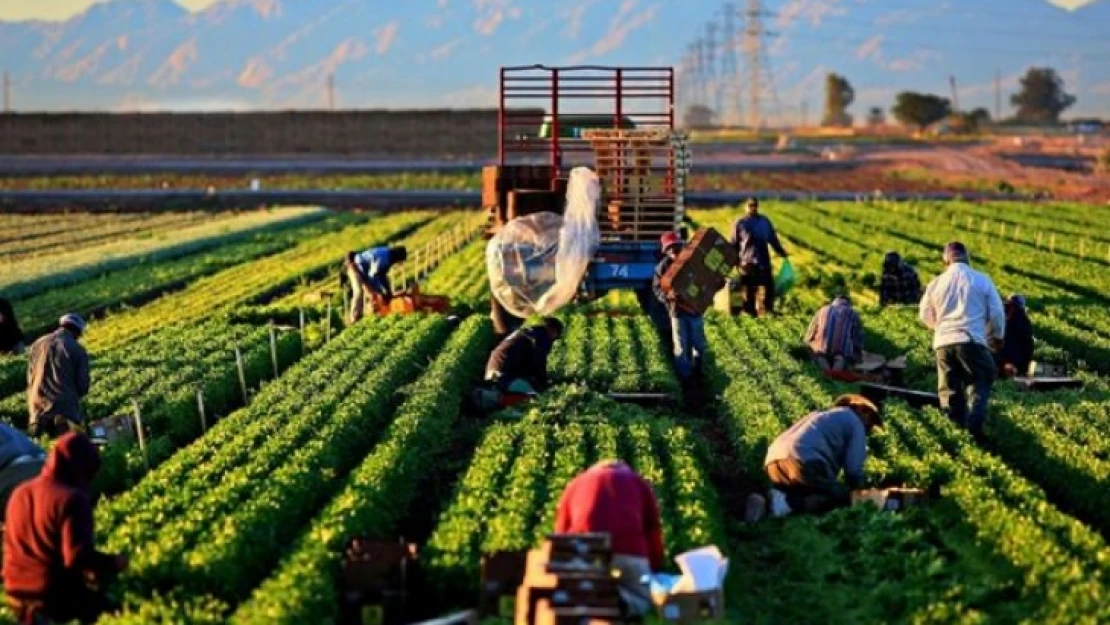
x=962, y=305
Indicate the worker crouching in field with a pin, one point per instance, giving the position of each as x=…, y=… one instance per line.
x=804, y=462
x=518, y=365
x=368, y=275
x=899, y=283
x=611, y=498
x=20, y=460
x=835, y=336
x=1017, y=346
x=49, y=555
x=751, y=236
x=963, y=309
x=57, y=378
x=11, y=335
x=687, y=328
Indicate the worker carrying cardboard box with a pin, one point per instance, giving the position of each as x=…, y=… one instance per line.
x=835, y=336
x=611, y=498
x=804, y=462
x=965, y=312
x=1016, y=352
x=57, y=378
x=370, y=270
x=687, y=326
x=49, y=555
x=751, y=235
x=899, y=283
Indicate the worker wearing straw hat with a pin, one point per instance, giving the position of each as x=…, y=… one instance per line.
x=804, y=463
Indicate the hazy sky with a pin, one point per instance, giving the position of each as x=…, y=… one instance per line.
x=61, y=9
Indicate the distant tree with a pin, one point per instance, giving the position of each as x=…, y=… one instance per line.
x=699, y=116
x=980, y=116
x=839, y=95
x=1042, y=97
x=876, y=116
x=920, y=109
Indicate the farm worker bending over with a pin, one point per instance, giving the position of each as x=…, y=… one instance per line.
x=20, y=460
x=964, y=310
x=687, y=328
x=48, y=540
x=804, y=461
x=835, y=336
x=57, y=378
x=611, y=498
x=11, y=336
x=899, y=284
x=370, y=270
x=751, y=235
x=519, y=364
x=1017, y=346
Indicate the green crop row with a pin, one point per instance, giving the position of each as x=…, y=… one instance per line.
x=621, y=353
x=378, y=491
x=250, y=282
x=223, y=529
x=464, y=277
x=49, y=235
x=22, y=278
x=507, y=497
x=13, y=374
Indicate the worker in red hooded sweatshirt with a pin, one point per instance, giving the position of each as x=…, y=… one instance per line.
x=49, y=557
x=611, y=498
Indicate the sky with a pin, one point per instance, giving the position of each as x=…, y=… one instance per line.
x=445, y=52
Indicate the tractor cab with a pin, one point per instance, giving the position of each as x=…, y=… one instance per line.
x=619, y=122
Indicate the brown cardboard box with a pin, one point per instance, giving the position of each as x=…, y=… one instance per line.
x=701, y=270
x=692, y=607
x=528, y=201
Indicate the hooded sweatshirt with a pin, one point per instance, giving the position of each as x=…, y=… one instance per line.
x=48, y=535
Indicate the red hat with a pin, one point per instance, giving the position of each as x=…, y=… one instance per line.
x=669, y=239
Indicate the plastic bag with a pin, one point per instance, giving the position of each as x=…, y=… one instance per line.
x=536, y=262
x=786, y=278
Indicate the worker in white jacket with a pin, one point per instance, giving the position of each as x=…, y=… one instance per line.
x=965, y=312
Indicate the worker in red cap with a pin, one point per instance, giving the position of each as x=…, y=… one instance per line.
x=49, y=556
x=687, y=326
x=610, y=498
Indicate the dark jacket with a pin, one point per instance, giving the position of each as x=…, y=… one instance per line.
x=11, y=335
x=523, y=355
x=751, y=234
x=1017, y=346
x=57, y=377
x=48, y=536
x=900, y=283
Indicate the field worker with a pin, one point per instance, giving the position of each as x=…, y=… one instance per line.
x=835, y=336
x=804, y=462
x=611, y=498
x=370, y=269
x=57, y=378
x=751, y=236
x=1017, y=346
x=519, y=363
x=20, y=460
x=963, y=309
x=11, y=336
x=49, y=555
x=899, y=283
x=687, y=328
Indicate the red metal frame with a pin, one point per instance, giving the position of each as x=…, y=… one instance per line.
x=532, y=94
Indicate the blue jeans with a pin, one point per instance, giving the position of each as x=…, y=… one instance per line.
x=688, y=339
x=965, y=374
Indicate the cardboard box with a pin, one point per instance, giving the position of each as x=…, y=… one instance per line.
x=890, y=499
x=701, y=270
x=692, y=607
x=528, y=201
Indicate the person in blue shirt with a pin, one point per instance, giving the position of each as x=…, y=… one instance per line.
x=751, y=236
x=370, y=270
x=687, y=328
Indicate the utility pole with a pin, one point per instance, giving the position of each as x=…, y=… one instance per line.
x=713, y=86
x=955, y=94
x=331, y=92
x=753, y=41
x=7, y=92
x=699, y=72
x=997, y=95
x=730, y=72
x=805, y=113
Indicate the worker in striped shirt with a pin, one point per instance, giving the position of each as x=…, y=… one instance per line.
x=835, y=336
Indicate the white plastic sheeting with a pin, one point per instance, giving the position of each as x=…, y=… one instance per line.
x=536, y=262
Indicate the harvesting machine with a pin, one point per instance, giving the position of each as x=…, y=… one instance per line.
x=620, y=122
